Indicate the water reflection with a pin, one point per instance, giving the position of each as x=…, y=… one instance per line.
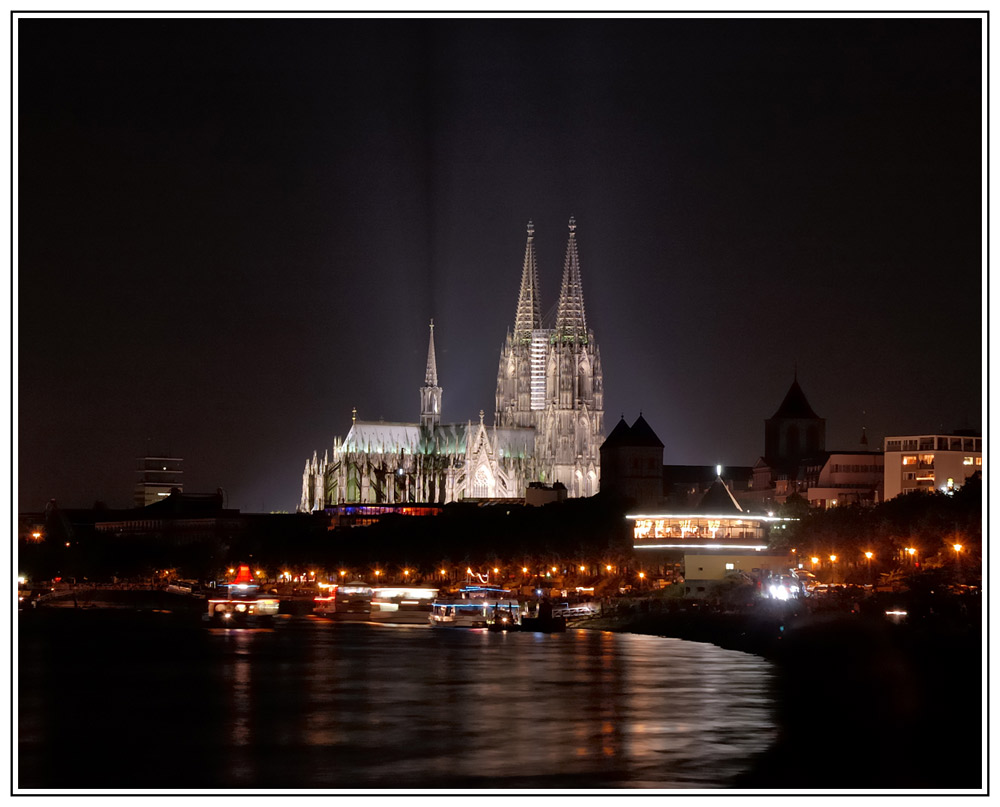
x=318, y=704
x=373, y=706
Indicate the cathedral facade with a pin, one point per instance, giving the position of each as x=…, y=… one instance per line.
x=547, y=427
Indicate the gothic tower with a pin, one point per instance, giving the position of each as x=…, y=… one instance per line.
x=521, y=376
x=571, y=428
x=550, y=379
x=430, y=392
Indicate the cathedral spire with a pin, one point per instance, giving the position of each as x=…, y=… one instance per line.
x=529, y=316
x=430, y=392
x=571, y=321
x=431, y=376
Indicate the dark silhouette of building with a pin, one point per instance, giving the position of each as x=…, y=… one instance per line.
x=632, y=463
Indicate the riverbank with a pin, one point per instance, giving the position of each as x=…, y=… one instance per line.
x=862, y=702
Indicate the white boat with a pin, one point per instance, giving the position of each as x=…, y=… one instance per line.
x=475, y=607
x=402, y=605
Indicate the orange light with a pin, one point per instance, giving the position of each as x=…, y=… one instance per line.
x=608, y=567
x=444, y=571
x=553, y=568
x=496, y=570
x=343, y=573
x=641, y=575
x=956, y=547
x=833, y=558
x=524, y=569
x=468, y=571
x=36, y=535
x=583, y=568
x=869, y=555
x=406, y=572
x=814, y=560
x=377, y=572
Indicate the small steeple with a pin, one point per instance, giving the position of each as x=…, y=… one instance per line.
x=431, y=376
x=529, y=316
x=571, y=320
x=430, y=392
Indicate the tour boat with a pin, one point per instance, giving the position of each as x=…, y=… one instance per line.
x=402, y=605
x=351, y=601
x=243, y=606
x=476, y=607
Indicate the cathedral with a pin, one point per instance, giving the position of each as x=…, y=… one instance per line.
x=547, y=428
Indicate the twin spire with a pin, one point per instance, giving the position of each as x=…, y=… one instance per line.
x=571, y=319
x=529, y=313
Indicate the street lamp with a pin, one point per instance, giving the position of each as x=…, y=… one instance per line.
x=957, y=547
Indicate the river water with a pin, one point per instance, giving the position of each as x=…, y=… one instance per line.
x=122, y=702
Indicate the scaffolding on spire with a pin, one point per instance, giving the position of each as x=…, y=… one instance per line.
x=529, y=316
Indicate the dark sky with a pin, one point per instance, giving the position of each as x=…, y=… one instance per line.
x=232, y=231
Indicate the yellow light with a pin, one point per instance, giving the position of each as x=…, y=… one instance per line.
x=343, y=573
x=641, y=575
x=583, y=568
x=814, y=560
x=406, y=572
x=261, y=574
x=444, y=571
x=231, y=571
x=911, y=551
x=468, y=571
x=377, y=572
x=496, y=570
x=67, y=543
x=608, y=567
x=36, y=535
x=524, y=569
x=20, y=581
x=869, y=555
x=957, y=547
x=553, y=568
x=833, y=558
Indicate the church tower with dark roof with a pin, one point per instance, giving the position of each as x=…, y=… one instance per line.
x=795, y=431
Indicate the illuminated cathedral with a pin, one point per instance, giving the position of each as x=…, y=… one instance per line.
x=547, y=428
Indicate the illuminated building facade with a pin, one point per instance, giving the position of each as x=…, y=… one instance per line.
x=931, y=462
x=713, y=539
x=548, y=425
x=550, y=378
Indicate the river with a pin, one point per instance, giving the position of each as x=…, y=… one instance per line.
x=136, y=701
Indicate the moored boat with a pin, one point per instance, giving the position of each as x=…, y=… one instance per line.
x=476, y=607
x=243, y=605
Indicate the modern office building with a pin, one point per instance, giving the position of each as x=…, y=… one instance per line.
x=157, y=477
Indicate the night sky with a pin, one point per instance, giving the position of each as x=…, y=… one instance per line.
x=231, y=232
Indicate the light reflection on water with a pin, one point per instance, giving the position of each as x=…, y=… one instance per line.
x=366, y=706
x=318, y=704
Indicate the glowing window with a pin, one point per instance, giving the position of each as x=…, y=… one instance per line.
x=967, y=460
x=910, y=460
x=730, y=567
x=979, y=460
